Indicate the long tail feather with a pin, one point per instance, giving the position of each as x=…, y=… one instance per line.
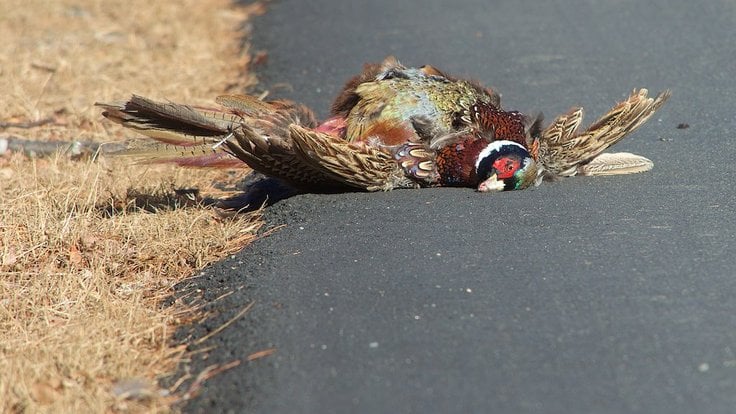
x=182, y=134
x=168, y=122
x=246, y=130
x=148, y=151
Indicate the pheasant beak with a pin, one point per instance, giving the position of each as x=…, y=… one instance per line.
x=491, y=184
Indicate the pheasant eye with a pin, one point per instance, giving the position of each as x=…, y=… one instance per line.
x=506, y=167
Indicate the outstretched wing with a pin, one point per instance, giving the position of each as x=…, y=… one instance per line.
x=354, y=164
x=564, y=152
x=277, y=157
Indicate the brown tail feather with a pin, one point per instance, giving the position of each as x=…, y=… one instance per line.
x=150, y=118
x=148, y=151
x=181, y=134
x=246, y=129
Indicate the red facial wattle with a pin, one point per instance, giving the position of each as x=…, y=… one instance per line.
x=506, y=167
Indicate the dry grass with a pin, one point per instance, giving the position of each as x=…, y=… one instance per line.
x=58, y=58
x=81, y=288
x=82, y=270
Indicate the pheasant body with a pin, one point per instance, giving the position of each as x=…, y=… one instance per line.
x=400, y=100
x=391, y=127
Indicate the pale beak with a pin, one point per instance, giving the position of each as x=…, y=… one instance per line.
x=491, y=184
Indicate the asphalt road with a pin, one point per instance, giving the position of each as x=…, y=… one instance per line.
x=588, y=295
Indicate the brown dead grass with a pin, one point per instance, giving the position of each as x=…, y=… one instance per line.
x=82, y=270
x=81, y=289
x=60, y=57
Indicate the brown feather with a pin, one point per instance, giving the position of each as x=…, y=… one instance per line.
x=615, y=164
x=562, y=151
x=356, y=165
x=275, y=156
x=253, y=131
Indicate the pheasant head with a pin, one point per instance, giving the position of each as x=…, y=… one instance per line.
x=488, y=166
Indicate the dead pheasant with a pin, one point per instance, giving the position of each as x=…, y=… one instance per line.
x=392, y=127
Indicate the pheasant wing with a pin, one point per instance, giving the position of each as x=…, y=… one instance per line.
x=563, y=152
x=357, y=165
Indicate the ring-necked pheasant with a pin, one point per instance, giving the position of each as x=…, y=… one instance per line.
x=392, y=127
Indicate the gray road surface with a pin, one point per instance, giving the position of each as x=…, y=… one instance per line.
x=604, y=295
